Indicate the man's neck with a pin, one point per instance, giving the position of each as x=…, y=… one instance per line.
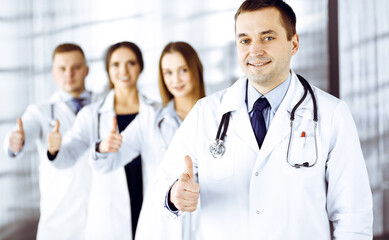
x=76, y=93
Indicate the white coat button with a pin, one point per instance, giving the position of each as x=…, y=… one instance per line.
x=256, y=173
x=258, y=211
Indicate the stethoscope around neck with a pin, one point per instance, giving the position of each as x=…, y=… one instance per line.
x=217, y=149
x=165, y=143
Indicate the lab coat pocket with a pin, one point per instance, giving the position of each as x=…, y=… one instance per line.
x=222, y=167
x=302, y=149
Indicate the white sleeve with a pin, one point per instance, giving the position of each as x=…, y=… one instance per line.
x=173, y=162
x=75, y=141
x=349, y=198
x=130, y=149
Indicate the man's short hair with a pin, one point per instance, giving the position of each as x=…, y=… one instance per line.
x=67, y=47
x=288, y=17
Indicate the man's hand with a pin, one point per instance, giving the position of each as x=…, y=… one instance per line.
x=185, y=192
x=54, y=139
x=16, y=139
x=113, y=142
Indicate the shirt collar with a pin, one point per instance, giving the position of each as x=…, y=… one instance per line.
x=274, y=97
x=86, y=95
x=169, y=111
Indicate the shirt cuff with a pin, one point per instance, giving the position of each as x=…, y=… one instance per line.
x=12, y=154
x=96, y=155
x=50, y=156
x=174, y=212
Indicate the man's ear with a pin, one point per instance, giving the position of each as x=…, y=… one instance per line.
x=295, y=43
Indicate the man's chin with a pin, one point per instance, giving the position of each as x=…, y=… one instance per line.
x=259, y=79
x=74, y=90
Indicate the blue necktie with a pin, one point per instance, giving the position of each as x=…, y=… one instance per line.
x=258, y=121
x=78, y=103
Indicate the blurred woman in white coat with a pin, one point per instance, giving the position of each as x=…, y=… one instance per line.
x=181, y=85
x=116, y=198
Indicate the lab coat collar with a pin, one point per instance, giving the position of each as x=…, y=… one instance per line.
x=233, y=99
x=56, y=97
x=168, y=112
x=60, y=102
x=108, y=102
x=280, y=126
x=62, y=96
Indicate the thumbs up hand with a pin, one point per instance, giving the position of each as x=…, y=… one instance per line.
x=185, y=192
x=54, y=139
x=16, y=139
x=113, y=142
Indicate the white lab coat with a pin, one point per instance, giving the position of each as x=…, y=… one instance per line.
x=109, y=206
x=64, y=194
x=255, y=194
x=150, y=134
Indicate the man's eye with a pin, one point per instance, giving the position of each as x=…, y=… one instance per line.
x=268, y=38
x=244, y=41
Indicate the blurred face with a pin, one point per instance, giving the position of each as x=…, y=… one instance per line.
x=124, y=68
x=176, y=75
x=264, y=52
x=69, y=70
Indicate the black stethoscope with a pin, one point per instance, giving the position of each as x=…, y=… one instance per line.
x=217, y=149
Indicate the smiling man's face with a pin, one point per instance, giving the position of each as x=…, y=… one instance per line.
x=264, y=52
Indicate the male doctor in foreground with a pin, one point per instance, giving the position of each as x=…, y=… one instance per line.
x=64, y=194
x=258, y=189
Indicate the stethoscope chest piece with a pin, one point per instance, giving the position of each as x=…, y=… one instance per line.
x=217, y=149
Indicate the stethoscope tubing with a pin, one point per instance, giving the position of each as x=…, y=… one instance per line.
x=217, y=149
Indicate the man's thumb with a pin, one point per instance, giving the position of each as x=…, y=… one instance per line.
x=20, y=125
x=189, y=167
x=56, y=126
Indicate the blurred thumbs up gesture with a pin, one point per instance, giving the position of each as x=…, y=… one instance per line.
x=16, y=139
x=113, y=142
x=54, y=139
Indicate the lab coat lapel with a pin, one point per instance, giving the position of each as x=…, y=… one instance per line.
x=240, y=125
x=106, y=112
x=59, y=103
x=65, y=108
x=108, y=103
x=280, y=126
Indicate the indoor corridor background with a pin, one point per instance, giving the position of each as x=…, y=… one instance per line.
x=344, y=50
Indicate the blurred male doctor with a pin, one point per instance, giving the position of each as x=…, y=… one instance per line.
x=64, y=193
